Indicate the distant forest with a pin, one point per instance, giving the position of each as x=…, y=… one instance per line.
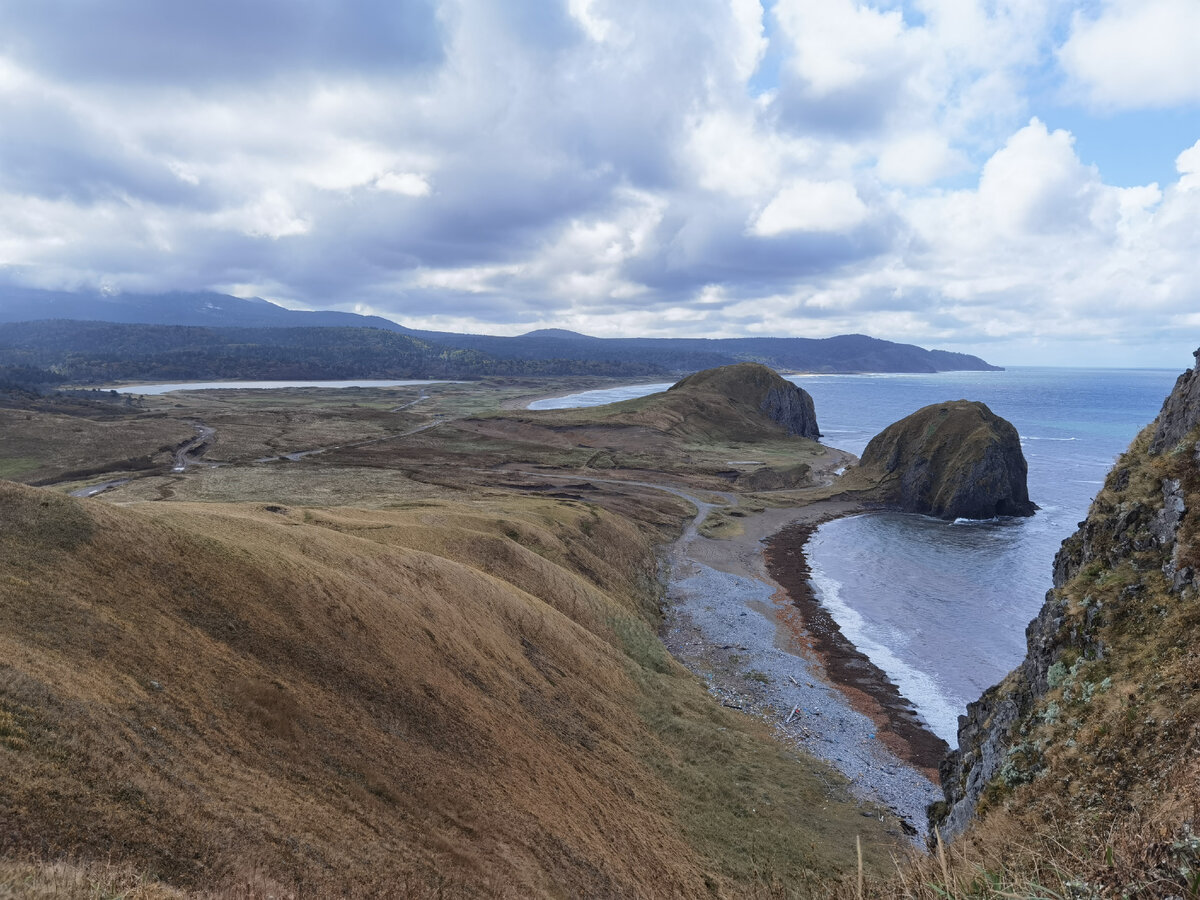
x=61, y=351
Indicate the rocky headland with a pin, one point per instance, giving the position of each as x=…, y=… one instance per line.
x=950, y=460
x=756, y=387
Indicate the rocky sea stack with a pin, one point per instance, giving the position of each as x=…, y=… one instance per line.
x=951, y=460
x=756, y=387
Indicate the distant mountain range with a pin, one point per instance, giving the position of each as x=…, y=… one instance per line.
x=326, y=341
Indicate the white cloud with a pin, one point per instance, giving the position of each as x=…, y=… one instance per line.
x=1136, y=53
x=605, y=167
x=1188, y=166
x=918, y=158
x=840, y=44
x=597, y=27
x=409, y=184
x=1035, y=184
x=811, y=206
x=749, y=38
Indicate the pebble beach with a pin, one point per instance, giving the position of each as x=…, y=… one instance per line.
x=731, y=624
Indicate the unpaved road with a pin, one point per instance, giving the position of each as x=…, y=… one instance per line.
x=189, y=454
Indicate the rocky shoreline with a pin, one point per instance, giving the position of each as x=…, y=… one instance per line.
x=866, y=686
x=756, y=641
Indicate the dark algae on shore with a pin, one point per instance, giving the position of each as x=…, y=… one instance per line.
x=865, y=685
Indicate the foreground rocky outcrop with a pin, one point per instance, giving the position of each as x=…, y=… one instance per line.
x=1096, y=731
x=951, y=460
x=755, y=387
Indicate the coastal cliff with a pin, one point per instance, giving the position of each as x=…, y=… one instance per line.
x=950, y=460
x=1092, y=740
x=754, y=386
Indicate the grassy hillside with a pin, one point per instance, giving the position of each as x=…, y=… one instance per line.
x=454, y=697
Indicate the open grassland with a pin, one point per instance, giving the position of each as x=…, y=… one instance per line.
x=629, y=452
x=42, y=445
x=96, y=437
x=447, y=698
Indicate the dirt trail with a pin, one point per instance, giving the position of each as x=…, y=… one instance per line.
x=753, y=641
x=189, y=454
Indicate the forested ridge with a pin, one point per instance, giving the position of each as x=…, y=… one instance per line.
x=90, y=352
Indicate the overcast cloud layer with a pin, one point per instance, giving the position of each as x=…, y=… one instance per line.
x=691, y=168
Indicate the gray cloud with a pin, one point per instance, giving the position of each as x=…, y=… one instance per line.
x=146, y=43
x=598, y=165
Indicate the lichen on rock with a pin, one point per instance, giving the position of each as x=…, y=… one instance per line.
x=1085, y=728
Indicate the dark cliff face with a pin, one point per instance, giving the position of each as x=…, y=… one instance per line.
x=755, y=386
x=1181, y=413
x=1090, y=725
x=951, y=460
x=793, y=408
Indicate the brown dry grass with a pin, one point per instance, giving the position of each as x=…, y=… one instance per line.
x=455, y=699
x=40, y=446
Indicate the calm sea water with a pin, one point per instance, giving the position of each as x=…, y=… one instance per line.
x=942, y=607
x=600, y=397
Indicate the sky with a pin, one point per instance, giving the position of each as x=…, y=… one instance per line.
x=1018, y=179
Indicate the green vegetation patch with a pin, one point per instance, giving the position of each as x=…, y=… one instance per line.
x=15, y=467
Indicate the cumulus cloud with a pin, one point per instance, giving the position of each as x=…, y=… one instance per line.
x=1136, y=53
x=811, y=206
x=705, y=167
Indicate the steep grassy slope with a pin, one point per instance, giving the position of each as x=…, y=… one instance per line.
x=449, y=698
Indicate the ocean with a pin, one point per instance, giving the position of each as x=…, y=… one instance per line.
x=942, y=607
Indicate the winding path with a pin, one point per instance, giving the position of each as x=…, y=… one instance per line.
x=730, y=623
x=189, y=454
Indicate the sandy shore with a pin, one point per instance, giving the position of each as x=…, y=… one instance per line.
x=763, y=648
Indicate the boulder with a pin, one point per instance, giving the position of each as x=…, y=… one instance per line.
x=1180, y=413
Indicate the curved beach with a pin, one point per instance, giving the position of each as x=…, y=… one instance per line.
x=742, y=616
